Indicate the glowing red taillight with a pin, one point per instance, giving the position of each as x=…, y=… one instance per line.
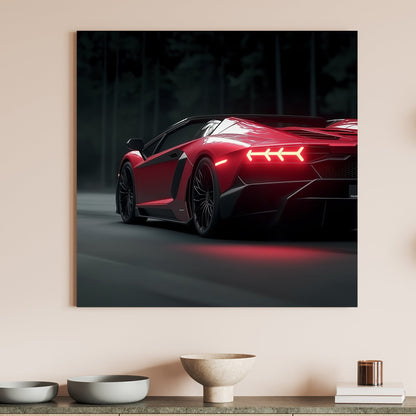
x=279, y=153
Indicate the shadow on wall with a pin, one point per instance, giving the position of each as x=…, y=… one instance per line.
x=168, y=374
x=72, y=152
x=171, y=373
x=413, y=120
x=413, y=249
x=317, y=384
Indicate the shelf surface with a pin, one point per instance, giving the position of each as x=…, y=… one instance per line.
x=195, y=405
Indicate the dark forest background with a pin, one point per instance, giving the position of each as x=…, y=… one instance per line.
x=135, y=84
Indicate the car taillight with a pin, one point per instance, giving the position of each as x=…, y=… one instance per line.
x=276, y=155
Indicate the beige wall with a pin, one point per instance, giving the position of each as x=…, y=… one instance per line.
x=300, y=351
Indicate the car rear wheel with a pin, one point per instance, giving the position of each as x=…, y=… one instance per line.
x=205, y=198
x=127, y=195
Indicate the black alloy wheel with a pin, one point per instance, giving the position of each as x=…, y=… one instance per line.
x=205, y=198
x=126, y=194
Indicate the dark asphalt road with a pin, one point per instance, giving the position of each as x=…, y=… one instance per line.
x=160, y=264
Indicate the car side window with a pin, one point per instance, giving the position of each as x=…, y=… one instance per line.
x=179, y=136
x=149, y=149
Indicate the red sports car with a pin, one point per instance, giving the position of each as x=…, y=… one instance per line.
x=287, y=170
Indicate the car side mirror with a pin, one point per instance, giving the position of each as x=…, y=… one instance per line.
x=135, y=144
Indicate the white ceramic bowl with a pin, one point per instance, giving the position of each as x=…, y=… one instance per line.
x=218, y=373
x=28, y=391
x=108, y=389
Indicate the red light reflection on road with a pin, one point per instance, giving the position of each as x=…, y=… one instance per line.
x=260, y=253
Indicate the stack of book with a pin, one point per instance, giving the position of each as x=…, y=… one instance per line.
x=388, y=393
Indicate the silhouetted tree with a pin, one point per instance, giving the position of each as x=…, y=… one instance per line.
x=104, y=116
x=312, y=75
x=114, y=137
x=278, y=75
x=143, y=86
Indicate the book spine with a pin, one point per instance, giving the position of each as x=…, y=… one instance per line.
x=369, y=391
x=370, y=399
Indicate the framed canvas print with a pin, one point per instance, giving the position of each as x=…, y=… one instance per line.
x=216, y=168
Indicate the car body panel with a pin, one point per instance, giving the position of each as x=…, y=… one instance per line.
x=261, y=169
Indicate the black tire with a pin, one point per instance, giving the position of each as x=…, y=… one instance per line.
x=127, y=195
x=205, y=198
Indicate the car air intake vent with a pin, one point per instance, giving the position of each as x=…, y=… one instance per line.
x=337, y=168
x=312, y=134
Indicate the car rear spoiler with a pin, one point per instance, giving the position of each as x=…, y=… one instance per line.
x=301, y=121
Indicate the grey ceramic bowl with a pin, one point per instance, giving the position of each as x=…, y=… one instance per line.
x=28, y=391
x=108, y=389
